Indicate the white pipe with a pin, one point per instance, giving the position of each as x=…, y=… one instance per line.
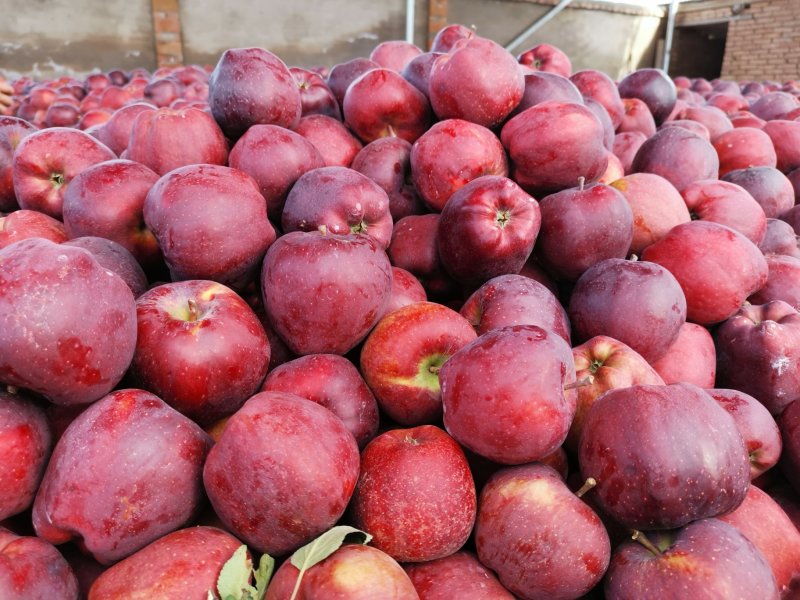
x=537, y=24
x=673, y=10
x=410, y=21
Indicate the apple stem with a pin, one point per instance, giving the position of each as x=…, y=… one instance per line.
x=434, y=369
x=589, y=484
x=638, y=536
x=581, y=182
x=12, y=389
x=193, y=312
x=633, y=258
x=588, y=380
x=323, y=229
x=392, y=132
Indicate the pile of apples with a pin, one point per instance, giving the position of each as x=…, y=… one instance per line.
x=441, y=325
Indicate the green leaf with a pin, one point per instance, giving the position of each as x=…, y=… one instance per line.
x=234, y=578
x=265, y=567
x=321, y=548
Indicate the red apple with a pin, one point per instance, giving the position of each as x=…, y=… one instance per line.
x=785, y=136
x=517, y=374
x=210, y=222
x=759, y=431
x=541, y=86
x=744, y=147
x=113, y=257
x=293, y=495
x=625, y=147
x=12, y=132
x=394, y=54
x=780, y=238
x=185, y=564
x=32, y=568
x=107, y=200
x=544, y=57
x=126, y=472
x=601, y=88
x=654, y=88
x=769, y=187
x=415, y=494
x=341, y=200
x=637, y=117
x=345, y=286
x=459, y=575
x=487, y=228
x=789, y=422
x=24, y=224
x=728, y=204
x=67, y=325
x=679, y=156
x=540, y=539
x=251, y=86
x=699, y=255
x=46, y=161
x=406, y=289
x=337, y=146
x=691, y=358
x=402, y=357
x=418, y=71
x=451, y=154
x=316, y=97
x=153, y=135
x=342, y=75
x=783, y=281
x=116, y=132
x=663, y=456
x=446, y=38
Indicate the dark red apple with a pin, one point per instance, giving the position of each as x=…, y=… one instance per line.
x=679, y=156
x=210, y=336
x=333, y=382
x=251, y=86
x=451, y=154
x=663, y=456
x=106, y=200
x=542, y=86
x=415, y=494
x=759, y=430
x=712, y=118
x=744, y=147
x=387, y=161
x=654, y=88
x=601, y=88
x=789, y=422
x=406, y=289
x=477, y=80
x=637, y=117
x=116, y=132
x=625, y=147
x=46, y=161
x=758, y=352
x=210, y=222
x=32, y=568
x=341, y=200
x=547, y=58
x=344, y=289
x=553, y=144
x=691, y=358
x=780, y=238
x=460, y=575
x=768, y=186
x=402, y=357
x=639, y=303
x=185, y=564
x=783, y=281
x=582, y=227
x=699, y=254
x=126, y=472
x=394, y=54
x=517, y=374
x=152, y=142
x=12, y=132
x=337, y=146
x=785, y=136
x=342, y=75
x=293, y=495
x=540, y=539
x=113, y=257
x=487, y=228
x=24, y=224
x=418, y=71
x=515, y=300
x=25, y=445
x=705, y=559
x=774, y=105
x=728, y=204
x=316, y=97
x=67, y=325
x=446, y=38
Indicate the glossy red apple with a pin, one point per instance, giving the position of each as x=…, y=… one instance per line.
x=193, y=213
x=515, y=300
x=67, y=325
x=346, y=284
x=12, y=131
x=679, y=156
x=780, y=238
x=785, y=136
x=699, y=255
x=629, y=446
x=316, y=97
x=406, y=289
x=343, y=74
x=460, y=575
x=341, y=200
x=540, y=539
x=113, y=257
x=116, y=132
x=547, y=58
x=251, y=86
x=32, y=568
x=477, y=80
x=601, y=88
x=783, y=281
x=625, y=147
x=402, y=357
x=415, y=494
x=487, y=228
x=337, y=146
x=654, y=88
x=446, y=38
x=769, y=187
x=744, y=147
x=637, y=117
x=23, y=224
x=333, y=382
x=517, y=374
x=293, y=495
x=691, y=358
x=46, y=161
x=727, y=204
x=126, y=472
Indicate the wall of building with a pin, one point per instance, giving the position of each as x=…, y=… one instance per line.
x=763, y=39
x=53, y=37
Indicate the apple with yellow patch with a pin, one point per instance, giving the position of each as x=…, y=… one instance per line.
x=402, y=356
x=353, y=572
x=540, y=538
x=706, y=559
x=199, y=347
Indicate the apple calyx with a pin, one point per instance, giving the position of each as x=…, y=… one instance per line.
x=57, y=179
x=588, y=380
x=360, y=227
x=323, y=229
x=502, y=217
x=640, y=537
x=596, y=364
x=587, y=485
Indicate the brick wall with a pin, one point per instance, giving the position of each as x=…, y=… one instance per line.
x=763, y=40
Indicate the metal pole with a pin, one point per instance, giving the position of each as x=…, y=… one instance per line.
x=538, y=23
x=410, y=21
x=673, y=10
